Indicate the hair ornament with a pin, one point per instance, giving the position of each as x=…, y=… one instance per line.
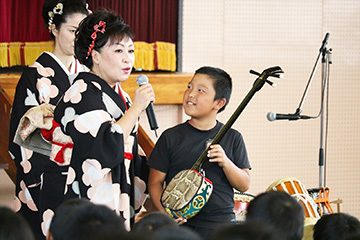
x=100, y=27
x=58, y=9
x=87, y=8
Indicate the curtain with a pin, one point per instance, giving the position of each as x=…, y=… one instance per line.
x=24, y=35
x=5, y=6
x=151, y=20
x=27, y=23
x=21, y=24
x=21, y=21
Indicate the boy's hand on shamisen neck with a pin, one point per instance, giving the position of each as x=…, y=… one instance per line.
x=216, y=154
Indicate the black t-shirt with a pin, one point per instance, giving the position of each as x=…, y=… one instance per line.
x=179, y=147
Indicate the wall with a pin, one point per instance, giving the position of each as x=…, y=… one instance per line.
x=243, y=35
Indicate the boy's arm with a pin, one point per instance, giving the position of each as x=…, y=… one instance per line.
x=155, y=186
x=238, y=178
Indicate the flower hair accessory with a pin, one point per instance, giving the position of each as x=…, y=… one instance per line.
x=100, y=27
x=58, y=9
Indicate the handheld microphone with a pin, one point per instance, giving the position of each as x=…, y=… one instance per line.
x=141, y=80
x=291, y=117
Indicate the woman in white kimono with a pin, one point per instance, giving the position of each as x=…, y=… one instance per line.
x=43, y=84
x=101, y=119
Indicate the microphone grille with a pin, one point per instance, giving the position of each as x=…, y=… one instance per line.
x=142, y=79
x=271, y=116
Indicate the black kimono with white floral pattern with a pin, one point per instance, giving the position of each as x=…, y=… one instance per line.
x=39, y=181
x=104, y=167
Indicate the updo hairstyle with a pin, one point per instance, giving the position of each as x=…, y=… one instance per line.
x=115, y=29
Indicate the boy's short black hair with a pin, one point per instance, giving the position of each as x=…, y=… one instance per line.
x=246, y=231
x=80, y=219
x=222, y=82
x=176, y=232
x=336, y=226
x=279, y=210
x=153, y=221
x=13, y=226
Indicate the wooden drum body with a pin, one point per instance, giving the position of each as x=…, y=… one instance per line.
x=289, y=185
x=308, y=204
x=297, y=190
x=241, y=203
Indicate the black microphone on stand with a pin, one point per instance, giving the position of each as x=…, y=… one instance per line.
x=141, y=80
x=324, y=42
x=291, y=117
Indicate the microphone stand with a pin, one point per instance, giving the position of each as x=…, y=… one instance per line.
x=325, y=63
x=322, y=48
x=324, y=82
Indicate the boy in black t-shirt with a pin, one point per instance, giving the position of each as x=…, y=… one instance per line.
x=179, y=147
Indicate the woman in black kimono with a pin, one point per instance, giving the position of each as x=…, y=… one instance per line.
x=101, y=120
x=42, y=84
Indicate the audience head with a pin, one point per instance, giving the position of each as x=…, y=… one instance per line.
x=339, y=226
x=246, y=231
x=13, y=226
x=79, y=219
x=97, y=31
x=153, y=221
x=175, y=232
x=279, y=210
x=355, y=236
x=221, y=82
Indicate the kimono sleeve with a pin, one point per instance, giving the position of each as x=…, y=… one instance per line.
x=95, y=135
x=25, y=98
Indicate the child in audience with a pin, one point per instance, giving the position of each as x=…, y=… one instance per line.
x=280, y=211
x=339, y=226
x=13, y=226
